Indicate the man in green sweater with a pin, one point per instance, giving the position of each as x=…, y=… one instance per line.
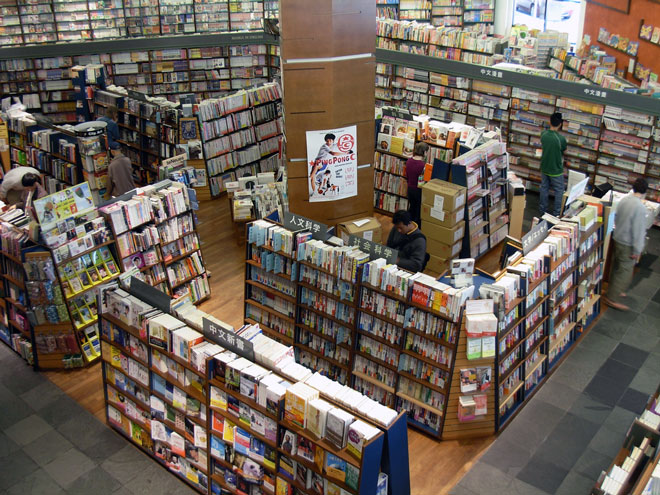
x=629, y=236
x=552, y=166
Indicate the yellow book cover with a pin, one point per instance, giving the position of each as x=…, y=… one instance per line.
x=294, y=408
x=396, y=145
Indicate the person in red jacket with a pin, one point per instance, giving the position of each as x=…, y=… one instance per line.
x=414, y=169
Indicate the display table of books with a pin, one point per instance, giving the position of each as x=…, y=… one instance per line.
x=232, y=412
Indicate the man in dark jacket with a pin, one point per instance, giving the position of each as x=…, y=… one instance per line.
x=406, y=237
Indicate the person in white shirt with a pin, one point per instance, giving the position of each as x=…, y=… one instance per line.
x=17, y=183
x=628, y=237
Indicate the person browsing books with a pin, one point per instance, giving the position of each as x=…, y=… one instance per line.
x=629, y=237
x=18, y=183
x=120, y=173
x=112, y=129
x=414, y=169
x=406, y=237
x=552, y=164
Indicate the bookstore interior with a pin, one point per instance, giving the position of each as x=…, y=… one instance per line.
x=316, y=375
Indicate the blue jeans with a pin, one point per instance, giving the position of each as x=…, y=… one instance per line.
x=557, y=185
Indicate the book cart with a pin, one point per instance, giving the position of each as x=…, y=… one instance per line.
x=637, y=461
x=155, y=233
x=204, y=421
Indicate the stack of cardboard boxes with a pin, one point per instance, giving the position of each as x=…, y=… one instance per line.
x=443, y=222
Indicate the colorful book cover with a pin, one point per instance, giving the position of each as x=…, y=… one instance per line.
x=335, y=467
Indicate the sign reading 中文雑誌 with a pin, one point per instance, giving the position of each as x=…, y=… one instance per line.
x=332, y=164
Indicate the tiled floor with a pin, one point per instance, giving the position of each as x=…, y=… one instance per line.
x=50, y=445
x=575, y=425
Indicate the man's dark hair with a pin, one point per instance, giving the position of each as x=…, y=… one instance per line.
x=556, y=119
x=29, y=179
x=640, y=185
x=421, y=149
x=401, y=216
x=112, y=113
x=329, y=136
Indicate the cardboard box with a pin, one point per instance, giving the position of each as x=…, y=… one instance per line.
x=437, y=264
x=442, y=250
x=443, y=195
x=442, y=217
x=446, y=235
x=368, y=228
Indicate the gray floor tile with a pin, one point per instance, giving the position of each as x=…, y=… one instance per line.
x=608, y=442
x=595, y=342
x=629, y=355
x=519, y=487
x=68, y=467
x=506, y=456
x=590, y=409
x=126, y=463
x=484, y=478
x=646, y=380
x=47, y=447
x=575, y=483
x=459, y=489
x=13, y=411
x=14, y=468
x=652, y=309
x=621, y=374
x=108, y=445
x=604, y=390
x=557, y=394
x=591, y=463
x=613, y=329
x=567, y=442
x=62, y=410
x=643, y=333
x=542, y=474
x=619, y=419
x=83, y=430
x=95, y=481
x=636, y=302
x=574, y=376
x=21, y=378
x=7, y=446
x=28, y=429
x=42, y=395
x=652, y=363
x=38, y=482
x=633, y=400
x=525, y=433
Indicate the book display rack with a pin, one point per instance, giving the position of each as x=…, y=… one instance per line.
x=148, y=132
x=635, y=468
x=50, y=149
x=478, y=15
x=155, y=234
x=224, y=423
x=241, y=134
x=387, y=333
x=607, y=142
x=547, y=300
x=49, y=21
x=390, y=183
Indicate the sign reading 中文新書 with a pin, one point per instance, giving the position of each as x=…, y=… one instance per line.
x=227, y=339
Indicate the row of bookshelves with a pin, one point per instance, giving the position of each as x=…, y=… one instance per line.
x=608, y=143
x=438, y=12
x=79, y=20
x=251, y=421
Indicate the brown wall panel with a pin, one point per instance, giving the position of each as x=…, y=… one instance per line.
x=326, y=28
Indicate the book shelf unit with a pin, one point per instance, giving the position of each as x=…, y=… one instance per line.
x=148, y=133
x=483, y=172
x=241, y=134
x=390, y=183
x=50, y=149
x=633, y=466
x=397, y=349
x=156, y=234
x=15, y=327
x=608, y=142
x=218, y=428
x=388, y=9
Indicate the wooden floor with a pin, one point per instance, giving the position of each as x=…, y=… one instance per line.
x=435, y=467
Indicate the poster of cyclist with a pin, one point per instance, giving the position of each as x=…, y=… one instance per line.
x=332, y=164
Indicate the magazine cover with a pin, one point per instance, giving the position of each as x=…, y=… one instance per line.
x=332, y=164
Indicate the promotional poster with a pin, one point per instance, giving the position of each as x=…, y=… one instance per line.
x=332, y=164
